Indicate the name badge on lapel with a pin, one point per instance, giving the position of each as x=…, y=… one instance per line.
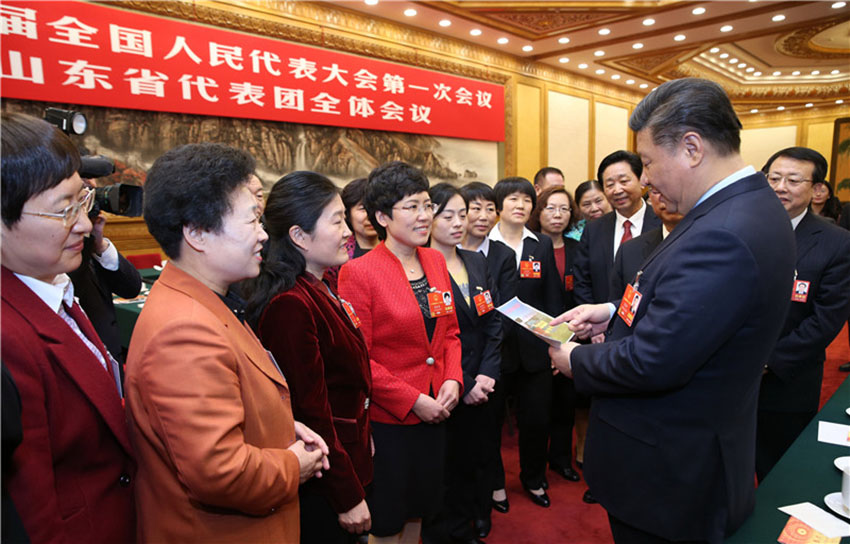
x=529, y=268
x=483, y=302
x=630, y=302
x=569, y=282
x=800, y=292
x=352, y=315
x=440, y=303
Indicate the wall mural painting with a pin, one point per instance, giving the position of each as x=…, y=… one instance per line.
x=134, y=139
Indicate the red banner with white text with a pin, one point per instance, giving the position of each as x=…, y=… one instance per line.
x=81, y=53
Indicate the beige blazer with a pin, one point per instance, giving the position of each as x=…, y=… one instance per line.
x=210, y=421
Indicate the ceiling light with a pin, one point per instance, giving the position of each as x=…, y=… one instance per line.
x=714, y=50
x=757, y=74
x=564, y=60
x=777, y=73
x=839, y=5
x=698, y=11
x=475, y=32
x=777, y=18
x=742, y=65
x=780, y=108
x=502, y=41
x=527, y=48
x=724, y=55
x=733, y=60
x=615, y=76
x=599, y=53
x=563, y=39
x=839, y=101
x=726, y=28
x=835, y=72
x=643, y=85
x=370, y=2
x=795, y=73
x=754, y=110
x=604, y=31
x=637, y=45
x=648, y=22
x=630, y=82
x=809, y=104
x=815, y=72
x=582, y=66
x=600, y=71
x=445, y=22
x=750, y=69
x=679, y=37
x=410, y=12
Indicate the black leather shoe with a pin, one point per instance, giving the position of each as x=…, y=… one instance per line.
x=845, y=367
x=482, y=527
x=580, y=465
x=545, y=484
x=539, y=500
x=588, y=498
x=501, y=506
x=566, y=473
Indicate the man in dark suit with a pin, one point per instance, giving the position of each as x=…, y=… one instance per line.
x=671, y=443
x=619, y=173
x=820, y=305
x=844, y=222
x=632, y=254
x=547, y=177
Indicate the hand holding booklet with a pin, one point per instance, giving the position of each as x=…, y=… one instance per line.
x=535, y=321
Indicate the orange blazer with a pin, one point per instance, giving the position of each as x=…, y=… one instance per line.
x=404, y=363
x=210, y=421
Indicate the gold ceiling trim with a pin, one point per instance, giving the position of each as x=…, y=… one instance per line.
x=798, y=43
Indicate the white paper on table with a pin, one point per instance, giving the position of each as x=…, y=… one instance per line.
x=818, y=519
x=834, y=433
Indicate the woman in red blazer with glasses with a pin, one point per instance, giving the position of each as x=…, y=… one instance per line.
x=398, y=291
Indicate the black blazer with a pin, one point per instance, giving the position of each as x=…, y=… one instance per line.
x=501, y=261
x=670, y=443
x=570, y=249
x=480, y=336
x=844, y=218
x=520, y=347
x=629, y=258
x=95, y=285
x=595, y=256
x=795, y=366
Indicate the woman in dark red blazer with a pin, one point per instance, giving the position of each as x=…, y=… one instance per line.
x=314, y=337
x=398, y=290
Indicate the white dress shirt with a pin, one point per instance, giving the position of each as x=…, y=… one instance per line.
x=496, y=235
x=637, y=225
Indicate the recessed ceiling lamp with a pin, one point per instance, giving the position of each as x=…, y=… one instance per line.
x=834, y=72
x=599, y=53
x=742, y=65
x=780, y=108
x=815, y=72
x=371, y=2
x=839, y=5
x=724, y=55
x=795, y=73
x=750, y=69
x=643, y=85
x=604, y=31
x=726, y=28
x=502, y=41
x=600, y=71
x=839, y=101
x=445, y=22
x=564, y=60
x=527, y=48
x=757, y=74
x=637, y=45
x=777, y=18
x=754, y=110
x=475, y=32
x=630, y=82
x=679, y=37
x=733, y=60
x=698, y=11
x=714, y=50
x=615, y=76
x=563, y=39
x=777, y=73
x=410, y=12
x=582, y=66
x=809, y=104
x=648, y=21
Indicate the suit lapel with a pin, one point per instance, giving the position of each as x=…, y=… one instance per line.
x=472, y=277
x=607, y=245
x=806, y=235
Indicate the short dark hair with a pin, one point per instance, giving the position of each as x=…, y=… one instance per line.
x=37, y=156
x=475, y=190
x=586, y=186
x=802, y=154
x=543, y=201
x=545, y=171
x=352, y=195
x=192, y=185
x=298, y=198
x=389, y=184
x=440, y=195
x=508, y=186
x=689, y=104
x=622, y=155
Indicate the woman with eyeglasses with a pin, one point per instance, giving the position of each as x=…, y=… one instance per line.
x=553, y=216
x=397, y=291
x=72, y=477
x=314, y=336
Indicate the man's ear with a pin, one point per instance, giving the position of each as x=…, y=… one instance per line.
x=195, y=237
x=694, y=148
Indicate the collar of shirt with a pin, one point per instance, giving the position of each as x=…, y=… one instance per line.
x=483, y=248
x=664, y=232
x=496, y=234
x=235, y=304
x=53, y=294
x=796, y=220
x=636, y=220
x=726, y=182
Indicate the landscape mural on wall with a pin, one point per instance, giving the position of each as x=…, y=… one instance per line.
x=133, y=139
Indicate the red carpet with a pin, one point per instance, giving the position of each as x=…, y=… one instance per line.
x=569, y=520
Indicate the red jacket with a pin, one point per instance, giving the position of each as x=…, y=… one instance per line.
x=71, y=478
x=404, y=364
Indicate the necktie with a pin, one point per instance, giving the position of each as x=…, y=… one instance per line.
x=627, y=232
x=94, y=343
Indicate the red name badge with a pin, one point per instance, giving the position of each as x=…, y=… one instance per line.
x=629, y=305
x=529, y=269
x=440, y=303
x=483, y=302
x=352, y=315
x=801, y=291
x=569, y=282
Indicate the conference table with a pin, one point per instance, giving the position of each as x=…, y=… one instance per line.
x=805, y=473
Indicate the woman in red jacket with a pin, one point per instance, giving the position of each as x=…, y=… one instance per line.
x=399, y=292
x=314, y=336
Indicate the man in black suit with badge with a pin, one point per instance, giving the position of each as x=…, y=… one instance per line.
x=820, y=305
x=671, y=442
